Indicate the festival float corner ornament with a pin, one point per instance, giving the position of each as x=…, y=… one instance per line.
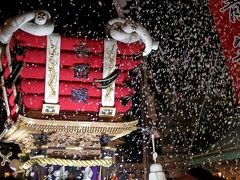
x=41, y=25
x=14, y=164
x=35, y=22
x=130, y=31
x=38, y=23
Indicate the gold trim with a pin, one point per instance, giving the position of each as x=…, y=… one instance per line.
x=109, y=148
x=124, y=133
x=111, y=128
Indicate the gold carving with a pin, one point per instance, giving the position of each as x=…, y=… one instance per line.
x=108, y=92
x=75, y=153
x=69, y=139
x=111, y=56
x=26, y=143
x=51, y=67
x=110, y=68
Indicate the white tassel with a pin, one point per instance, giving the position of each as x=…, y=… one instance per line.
x=156, y=170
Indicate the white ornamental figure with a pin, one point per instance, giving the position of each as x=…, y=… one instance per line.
x=88, y=173
x=59, y=174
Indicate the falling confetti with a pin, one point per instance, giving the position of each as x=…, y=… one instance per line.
x=194, y=96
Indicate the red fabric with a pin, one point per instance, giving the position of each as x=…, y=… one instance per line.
x=68, y=43
x=6, y=72
x=227, y=30
x=11, y=99
x=92, y=105
x=33, y=74
x=4, y=63
x=66, y=74
x=4, y=60
x=69, y=58
x=9, y=91
x=13, y=112
x=65, y=88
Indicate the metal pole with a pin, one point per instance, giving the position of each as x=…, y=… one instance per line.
x=144, y=123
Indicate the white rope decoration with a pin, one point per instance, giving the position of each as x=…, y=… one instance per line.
x=41, y=26
x=129, y=31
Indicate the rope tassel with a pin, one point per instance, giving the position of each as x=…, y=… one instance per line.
x=156, y=170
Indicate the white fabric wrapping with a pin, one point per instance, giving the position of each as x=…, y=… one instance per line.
x=41, y=27
x=129, y=31
x=109, y=62
x=52, y=69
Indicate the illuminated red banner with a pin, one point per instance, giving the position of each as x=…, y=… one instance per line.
x=226, y=14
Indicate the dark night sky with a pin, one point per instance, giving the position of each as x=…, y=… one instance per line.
x=71, y=17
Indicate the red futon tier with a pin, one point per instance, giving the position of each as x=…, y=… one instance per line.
x=81, y=62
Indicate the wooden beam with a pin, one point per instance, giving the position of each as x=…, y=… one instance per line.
x=216, y=157
x=68, y=116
